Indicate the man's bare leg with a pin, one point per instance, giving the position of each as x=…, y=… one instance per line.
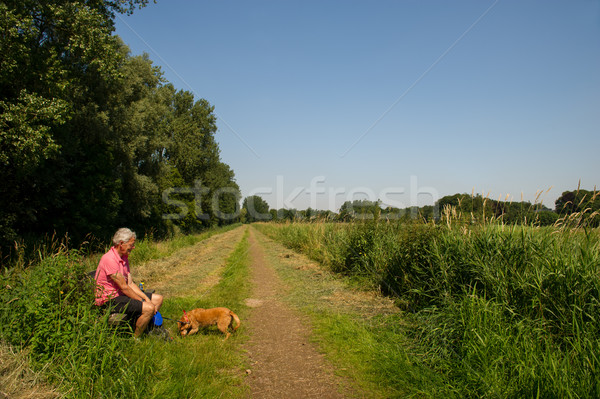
x=144, y=319
x=157, y=301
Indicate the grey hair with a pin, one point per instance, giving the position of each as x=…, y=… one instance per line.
x=123, y=235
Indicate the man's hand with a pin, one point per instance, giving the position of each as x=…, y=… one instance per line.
x=128, y=289
x=138, y=291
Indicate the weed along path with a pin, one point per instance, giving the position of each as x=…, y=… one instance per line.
x=283, y=361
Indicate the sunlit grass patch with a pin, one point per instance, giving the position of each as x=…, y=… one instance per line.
x=148, y=249
x=497, y=309
x=363, y=335
x=202, y=365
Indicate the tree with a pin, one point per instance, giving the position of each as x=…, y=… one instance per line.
x=91, y=137
x=577, y=201
x=256, y=208
x=359, y=209
x=584, y=203
x=59, y=61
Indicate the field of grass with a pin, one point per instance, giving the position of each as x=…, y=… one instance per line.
x=474, y=311
x=495, y=310
x=364, y=336
x=47, y=318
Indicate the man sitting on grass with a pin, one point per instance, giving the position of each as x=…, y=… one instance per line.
x=115, y=287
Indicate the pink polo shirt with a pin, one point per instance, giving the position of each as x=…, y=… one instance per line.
x=110, y=263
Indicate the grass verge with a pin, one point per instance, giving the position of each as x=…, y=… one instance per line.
x=363, y=335
x=148, y=249
x=47, y=313
x=202, y=365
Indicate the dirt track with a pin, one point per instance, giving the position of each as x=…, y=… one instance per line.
x=284, y=362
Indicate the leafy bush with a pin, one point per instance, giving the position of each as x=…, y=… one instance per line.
x=44, y=302
x=49, y=309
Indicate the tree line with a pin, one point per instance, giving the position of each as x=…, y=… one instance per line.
x=470, y=208
x=92, y=137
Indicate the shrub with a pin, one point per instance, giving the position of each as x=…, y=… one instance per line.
x=49, y=310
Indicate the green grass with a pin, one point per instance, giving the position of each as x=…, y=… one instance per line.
x=377, y=355
x=148, y=249
x=369, y=347
x=495, y=310
x=201, y=365
x=47, y=310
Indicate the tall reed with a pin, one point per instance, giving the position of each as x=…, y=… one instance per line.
x=505, y=310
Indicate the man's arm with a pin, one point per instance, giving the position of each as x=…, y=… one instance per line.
x=126, y=288
x=137, y=290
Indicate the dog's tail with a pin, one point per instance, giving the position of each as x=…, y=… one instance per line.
x=237, y=320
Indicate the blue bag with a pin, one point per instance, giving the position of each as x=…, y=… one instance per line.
x=158, y=320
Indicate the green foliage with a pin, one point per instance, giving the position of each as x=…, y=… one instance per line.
x=470, y=208
x=48, y=309
x=577, y=201
x=409, y=265
x=256, y=209
x=90, y=136
x=508, y=311
x=26, y=126
x=359, y=209
x=579, y=208
x=37, y=299
x=478, y=209
x=285, y=214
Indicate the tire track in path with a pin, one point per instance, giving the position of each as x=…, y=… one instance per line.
x=284, y=363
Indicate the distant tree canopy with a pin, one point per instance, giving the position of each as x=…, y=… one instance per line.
x=359, y=209
x=469, y=208
x=585, y=203
x=578, y=201
x=477, y=208
x=472, y=208
x=92, y=138
x=256, y=209
x=307, y=215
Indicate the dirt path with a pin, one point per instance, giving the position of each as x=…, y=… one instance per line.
x=283, y=361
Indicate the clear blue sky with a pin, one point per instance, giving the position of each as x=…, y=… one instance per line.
x=319, y=102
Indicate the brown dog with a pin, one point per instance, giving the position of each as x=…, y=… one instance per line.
x=193, y=320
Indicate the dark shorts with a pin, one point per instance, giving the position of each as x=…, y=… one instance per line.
x=129, y=306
